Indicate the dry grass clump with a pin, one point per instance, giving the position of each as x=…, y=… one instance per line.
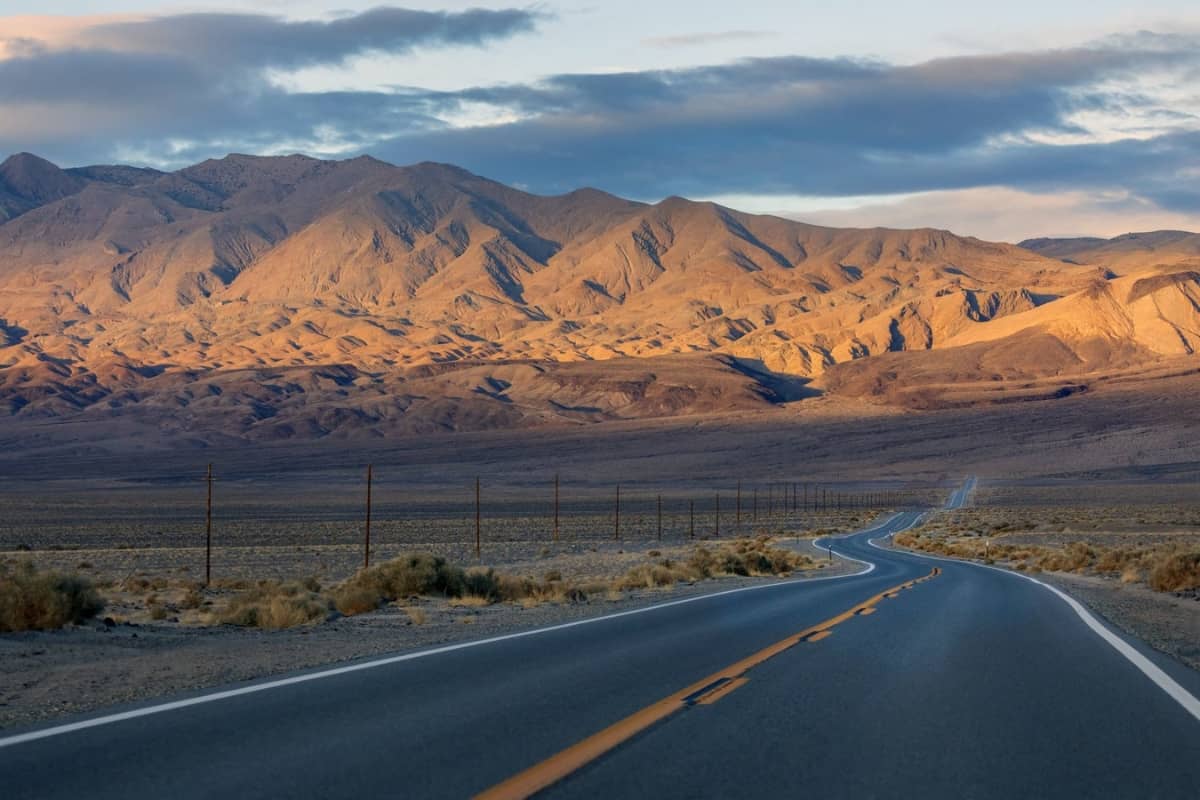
x=409, y=575
x=655, y=576
x=749, y=557
x=32, y=600
x=745, y=557
x=423, y=574
x=275, y=604
x=1176, y=572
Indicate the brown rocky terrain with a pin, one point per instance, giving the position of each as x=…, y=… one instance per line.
x=276, y=298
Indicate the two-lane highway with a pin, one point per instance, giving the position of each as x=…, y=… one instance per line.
x=914, y=677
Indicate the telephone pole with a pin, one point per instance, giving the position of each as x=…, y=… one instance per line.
x=367, y=530
x=208, y=530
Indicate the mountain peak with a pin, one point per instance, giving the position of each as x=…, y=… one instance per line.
x=22, y=171
x=28, y=181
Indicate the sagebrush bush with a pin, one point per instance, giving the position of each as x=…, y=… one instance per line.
x=417, y=574
x=747, y=557
x=33, y=600
x=272, y=604
x=410, y=574
x=1176, y=572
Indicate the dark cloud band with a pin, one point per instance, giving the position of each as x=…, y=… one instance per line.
x=763, y=126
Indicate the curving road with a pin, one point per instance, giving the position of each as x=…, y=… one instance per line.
x=914, y=677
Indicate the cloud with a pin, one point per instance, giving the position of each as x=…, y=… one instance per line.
x=701, y=39
x=91, y=88
x=1045, y=121
x=1112, y=116
x=259, y=40
x=1003, y=214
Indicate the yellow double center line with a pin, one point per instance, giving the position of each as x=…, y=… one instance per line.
x=703, y=692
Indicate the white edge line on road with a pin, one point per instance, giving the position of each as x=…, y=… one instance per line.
x=1148, y=668
x=108, y=719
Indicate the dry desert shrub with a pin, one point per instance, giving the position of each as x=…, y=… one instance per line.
x=32, y=600
x=1176, y=572
x=408, y=575
x=421, y=574
x=1075, y=557
x=272, y=604
x=745, y=557
x=192, y=599
x=654, y=576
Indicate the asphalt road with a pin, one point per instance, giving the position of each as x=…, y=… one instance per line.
x=969, y=683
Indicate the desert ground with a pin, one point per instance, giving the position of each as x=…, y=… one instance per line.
x=138, y=536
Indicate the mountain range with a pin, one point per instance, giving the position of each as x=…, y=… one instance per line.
x=291, y=297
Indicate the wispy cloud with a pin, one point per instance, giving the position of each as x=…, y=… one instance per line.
x=1004, y=214
x=707, y=38
x=260, y=40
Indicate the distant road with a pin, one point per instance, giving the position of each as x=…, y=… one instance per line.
x=915, y=678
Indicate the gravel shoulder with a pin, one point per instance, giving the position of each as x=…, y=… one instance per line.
x=1167, y=622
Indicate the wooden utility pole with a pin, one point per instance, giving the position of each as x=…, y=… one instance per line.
x=556, y=507
x=208, y=530
x=755, y=518
x=717, y=519
x=617, y=517
x=738, y=515
x=478, y=524
x=367, y=528
x=691, y=519
x=660, y=517
x=795, y=496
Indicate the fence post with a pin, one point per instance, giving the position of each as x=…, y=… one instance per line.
x=691, y=519
x=737, y=522
x=478, y=524
x=208, y=530
x=367, y=533
x=717, y=519
x=556, y=507
x=660, y=517
x=617, y=517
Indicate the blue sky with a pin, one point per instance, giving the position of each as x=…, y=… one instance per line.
x=1001, y=120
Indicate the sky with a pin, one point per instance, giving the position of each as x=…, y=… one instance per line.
x=1000, y=120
